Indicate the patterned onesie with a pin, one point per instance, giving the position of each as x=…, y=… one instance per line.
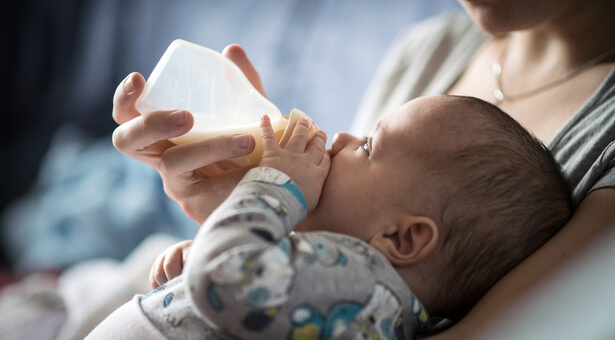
x=248, y=276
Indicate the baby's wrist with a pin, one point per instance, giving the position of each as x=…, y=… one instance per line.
x=264, y=174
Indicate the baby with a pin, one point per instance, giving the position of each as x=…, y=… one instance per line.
x=445, y=197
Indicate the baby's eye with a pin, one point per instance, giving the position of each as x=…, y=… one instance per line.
x=365, y=145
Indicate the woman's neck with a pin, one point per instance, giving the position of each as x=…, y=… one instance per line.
x=567, y=41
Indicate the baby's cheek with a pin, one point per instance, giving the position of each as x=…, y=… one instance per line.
x=307, y=224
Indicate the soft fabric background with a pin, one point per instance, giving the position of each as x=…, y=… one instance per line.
x=63, y=59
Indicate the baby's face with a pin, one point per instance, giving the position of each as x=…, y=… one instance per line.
x=374, y=179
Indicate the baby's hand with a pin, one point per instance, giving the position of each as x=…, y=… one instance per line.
x=306, y=163
x=169, y=264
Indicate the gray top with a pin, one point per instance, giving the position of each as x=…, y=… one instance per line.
x=429, y=58
x=248, y=277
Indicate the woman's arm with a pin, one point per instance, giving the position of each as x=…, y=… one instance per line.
x=594, y=217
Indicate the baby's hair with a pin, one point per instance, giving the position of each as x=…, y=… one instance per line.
x=501, y=195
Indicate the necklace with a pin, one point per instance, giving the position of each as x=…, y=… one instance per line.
x=497, y=68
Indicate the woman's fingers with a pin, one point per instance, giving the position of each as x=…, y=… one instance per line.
x=126, y=95
x=237, y=54
x=139, y=137
x=189, y=157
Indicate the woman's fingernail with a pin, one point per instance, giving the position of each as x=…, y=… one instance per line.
x=128, y=86
x=177, y=118
x=242, y=141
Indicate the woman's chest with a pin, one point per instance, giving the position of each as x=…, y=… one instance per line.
x=542, y=109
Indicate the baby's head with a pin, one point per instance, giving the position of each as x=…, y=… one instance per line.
x=453, y=191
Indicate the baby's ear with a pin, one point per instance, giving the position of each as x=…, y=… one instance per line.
x=409, y=242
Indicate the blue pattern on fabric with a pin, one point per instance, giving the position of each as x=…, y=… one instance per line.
x=290, y=186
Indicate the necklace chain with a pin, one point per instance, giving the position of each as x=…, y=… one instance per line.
x=497, y=69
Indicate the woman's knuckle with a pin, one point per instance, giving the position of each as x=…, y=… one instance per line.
x=119, y=140
x=166, y=163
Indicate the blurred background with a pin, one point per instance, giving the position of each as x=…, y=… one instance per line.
x=67, y=195
x=80, y=223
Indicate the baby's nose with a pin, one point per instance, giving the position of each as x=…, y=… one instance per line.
x=339, y=141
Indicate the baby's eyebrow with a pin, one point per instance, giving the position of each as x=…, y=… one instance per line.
x=377, y=127
x=370, y=138
x=374, y=130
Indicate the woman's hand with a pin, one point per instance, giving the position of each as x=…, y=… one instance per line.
x=195, y=175
x=169, y=264
x=306, y=162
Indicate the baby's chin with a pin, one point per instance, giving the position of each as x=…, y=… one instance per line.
x=308, y=224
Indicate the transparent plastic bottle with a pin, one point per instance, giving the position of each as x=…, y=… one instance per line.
x=217, y=93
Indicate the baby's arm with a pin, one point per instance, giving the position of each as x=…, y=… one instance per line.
x=301, y=164
x=308, y=165
x=262, y=210
x=260, y=283
x=169, y=264
x=247, y=277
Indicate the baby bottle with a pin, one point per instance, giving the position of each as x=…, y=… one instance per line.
x=217, y=93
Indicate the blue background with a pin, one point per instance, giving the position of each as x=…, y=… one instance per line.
x=67, y=194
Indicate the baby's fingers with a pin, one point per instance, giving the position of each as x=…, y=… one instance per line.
x=325, y=163
x=299, y=138
x=156, y=275
x=267, y=134
x=173, y=263
x=317, y=146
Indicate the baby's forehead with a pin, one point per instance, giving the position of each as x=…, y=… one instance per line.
x=429, y=125
x=434, y=117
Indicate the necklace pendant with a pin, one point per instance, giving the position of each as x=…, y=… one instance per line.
x=499, y=96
